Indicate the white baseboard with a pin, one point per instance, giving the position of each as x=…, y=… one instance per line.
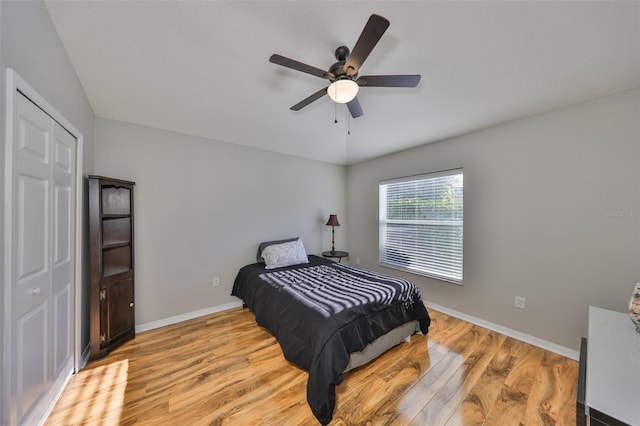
x=535, y=341
x=53, y=395
x=85, y=357
x=184, y=317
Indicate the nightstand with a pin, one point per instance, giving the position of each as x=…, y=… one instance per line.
x=335, y=254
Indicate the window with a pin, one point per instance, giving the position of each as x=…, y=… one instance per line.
x=421, y=224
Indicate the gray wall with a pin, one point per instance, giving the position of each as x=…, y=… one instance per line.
x=202, y=207
x=551, y=206
x=30, y=45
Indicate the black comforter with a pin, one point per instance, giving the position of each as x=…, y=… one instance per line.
x=322, y=311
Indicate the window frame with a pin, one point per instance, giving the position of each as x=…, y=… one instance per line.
x=383, y=221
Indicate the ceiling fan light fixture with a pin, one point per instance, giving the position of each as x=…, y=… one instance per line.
x=343, y=91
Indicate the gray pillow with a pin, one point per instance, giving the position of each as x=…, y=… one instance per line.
x=266, y=244
x=285, y=254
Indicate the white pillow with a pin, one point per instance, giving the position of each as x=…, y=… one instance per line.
x=285, y=254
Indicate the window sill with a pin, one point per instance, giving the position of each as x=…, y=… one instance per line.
x=423, y=274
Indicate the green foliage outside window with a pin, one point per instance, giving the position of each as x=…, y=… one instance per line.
x=421, y=203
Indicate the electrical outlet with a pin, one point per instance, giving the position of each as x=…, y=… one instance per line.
x=215, y=281
x=520, y=302
x=357, y=260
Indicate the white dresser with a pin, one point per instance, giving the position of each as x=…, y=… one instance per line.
x=612, y=388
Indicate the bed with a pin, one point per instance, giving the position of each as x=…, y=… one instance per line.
x=328, y=317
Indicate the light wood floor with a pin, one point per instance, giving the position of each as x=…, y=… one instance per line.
x=223, y=369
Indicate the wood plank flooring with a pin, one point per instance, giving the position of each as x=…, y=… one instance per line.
x=224, y=369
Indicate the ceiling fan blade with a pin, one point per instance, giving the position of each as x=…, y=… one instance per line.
x=388, y=80
x=354, y=108
x=306, y=101
x=373, y=30
x=299, y=66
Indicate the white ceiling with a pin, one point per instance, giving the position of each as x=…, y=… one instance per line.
x=201, y=68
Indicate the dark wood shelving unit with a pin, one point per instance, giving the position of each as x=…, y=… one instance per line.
x=112, y=317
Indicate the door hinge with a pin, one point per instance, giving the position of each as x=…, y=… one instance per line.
x=103, y=294
x=103, y=338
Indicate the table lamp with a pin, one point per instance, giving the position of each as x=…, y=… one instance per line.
x=333, y=222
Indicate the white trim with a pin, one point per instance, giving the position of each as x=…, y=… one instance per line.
x=77, y=364
x=54, y=400
x=5, y=406
x=14, y=83
x=84, y=357
x=185, y=317
x=532, y=340
x=421, y=176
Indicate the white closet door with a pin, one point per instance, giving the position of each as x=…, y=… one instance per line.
x=33, y=257
x=44, y=223
x=63, y=237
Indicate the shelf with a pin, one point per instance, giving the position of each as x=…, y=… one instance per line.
x=116, y=231
x=115, y=270
x=116, y=245
x=115, y=216
x=116, y=260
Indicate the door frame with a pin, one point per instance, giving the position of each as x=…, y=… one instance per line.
x=14, y=84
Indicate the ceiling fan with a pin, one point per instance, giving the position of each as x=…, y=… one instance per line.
x=343, y=75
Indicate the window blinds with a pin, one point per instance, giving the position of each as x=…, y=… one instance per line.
x=421, y=224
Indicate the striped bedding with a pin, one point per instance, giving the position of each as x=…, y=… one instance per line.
x=322, y=311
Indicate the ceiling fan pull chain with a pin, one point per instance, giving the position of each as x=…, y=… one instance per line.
x=335, y=113
x=348, y=123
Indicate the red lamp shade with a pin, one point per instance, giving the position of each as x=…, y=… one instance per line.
x=333, y=220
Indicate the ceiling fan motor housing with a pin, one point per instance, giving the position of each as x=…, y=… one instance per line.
x=342, y=53
x=337, y=69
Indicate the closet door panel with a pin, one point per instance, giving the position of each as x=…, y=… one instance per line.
x=32, y=378
x=32, y=284
x=63, y=234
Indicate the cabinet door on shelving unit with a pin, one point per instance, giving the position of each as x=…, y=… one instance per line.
x=118, y=307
